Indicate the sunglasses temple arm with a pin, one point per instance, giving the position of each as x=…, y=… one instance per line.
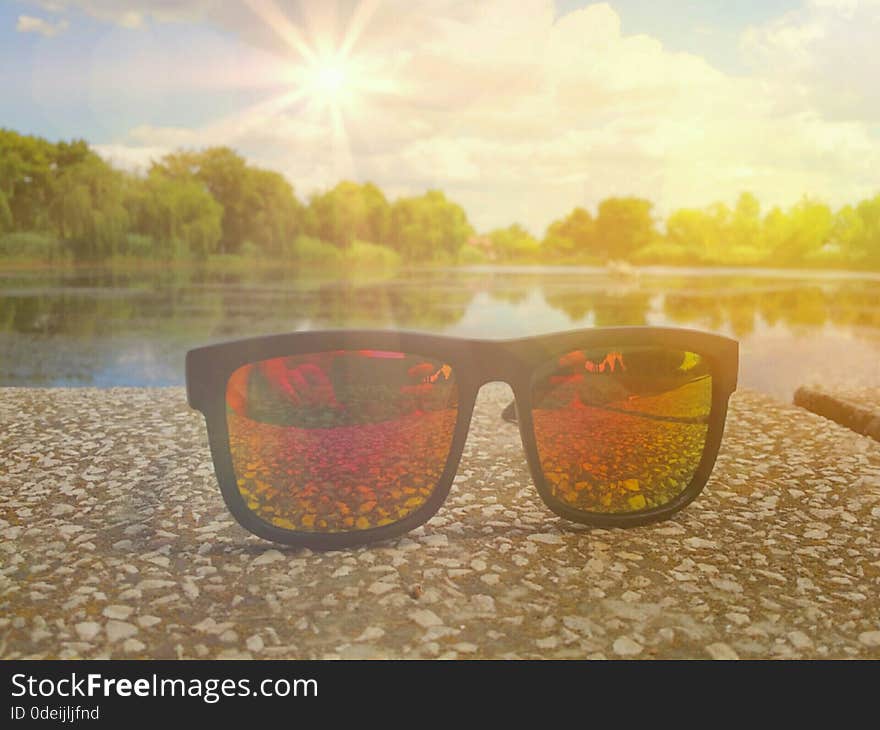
x=509, y=413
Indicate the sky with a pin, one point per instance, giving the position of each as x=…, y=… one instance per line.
x=519, y=110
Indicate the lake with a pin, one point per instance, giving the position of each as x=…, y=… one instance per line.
x=107, y=328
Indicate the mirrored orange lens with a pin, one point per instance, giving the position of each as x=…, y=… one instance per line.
x=340, y=441
x=621, y=429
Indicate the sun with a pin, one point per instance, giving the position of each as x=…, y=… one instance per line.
x=325, y=75
x=329, y=80
x=326, y=71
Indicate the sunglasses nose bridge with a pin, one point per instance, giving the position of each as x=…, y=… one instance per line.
x=492, y=363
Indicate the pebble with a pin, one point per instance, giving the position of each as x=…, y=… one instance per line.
x=234, y=654
x=426, y=618
x=379, y=587
x=800, y=640
x=624, y=646
x=87, y=630
x=720, y=650
x=546, y=538
x=483, y=603
x=155, y=584
x=117, y=630
x=268, y=557
x=371, y=633
x=131, y=646
x=118, y=612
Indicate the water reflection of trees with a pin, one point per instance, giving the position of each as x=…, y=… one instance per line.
x=735, y=303
x=795, y=305
x=404, y=303
x=510, y=288
x=609, y=308
x=199, y=306
x=223, y=305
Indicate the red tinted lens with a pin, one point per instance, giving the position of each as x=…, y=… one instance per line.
x=340, y=441
x=621, y=429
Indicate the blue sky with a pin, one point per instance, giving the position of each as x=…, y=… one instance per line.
x=519, y=109
x=709, y=28
x=49, y=87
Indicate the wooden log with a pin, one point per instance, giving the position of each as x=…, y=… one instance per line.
x=855, y=416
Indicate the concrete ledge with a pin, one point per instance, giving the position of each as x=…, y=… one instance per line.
x=114, y=542
x=857, y=410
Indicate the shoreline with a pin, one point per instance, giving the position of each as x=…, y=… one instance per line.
x=237, y=264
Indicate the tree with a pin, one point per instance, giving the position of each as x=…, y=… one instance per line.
x=27, y=170
x=350, y=212
x=716, y=234
x=571, y=236
x=428, y=227
x=624, y=225
x=258, y=206
x=792, y=237
x=745, y=229
x=87, y=207
x=514, y=243
x=6, y=221
x=276, y=217
x=178, y=213
x=848, y=232
x=224, y=174
x=867, y=245
x=694, y=231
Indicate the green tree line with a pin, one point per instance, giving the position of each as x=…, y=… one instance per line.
x=63, y=202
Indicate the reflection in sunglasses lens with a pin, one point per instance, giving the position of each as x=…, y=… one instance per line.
x=621, y=429
x=340, y=441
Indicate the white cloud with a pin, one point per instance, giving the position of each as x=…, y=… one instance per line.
x=45, y=28
x=823, y=55
x=127, y=157
x=520, y=115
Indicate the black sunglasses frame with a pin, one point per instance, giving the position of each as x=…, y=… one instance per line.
x=475, y=362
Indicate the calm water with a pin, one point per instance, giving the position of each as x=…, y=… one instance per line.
x=104, y=329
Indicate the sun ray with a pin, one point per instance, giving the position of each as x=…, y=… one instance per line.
x=342, y=157
x=321, y=21
x=276, y=20
x=361, y=17
x=327, y=80
x=228, y=126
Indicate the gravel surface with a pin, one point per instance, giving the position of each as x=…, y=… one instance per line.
x=114, y=542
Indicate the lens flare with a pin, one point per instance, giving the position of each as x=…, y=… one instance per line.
x=340, y=441
x=621, y=429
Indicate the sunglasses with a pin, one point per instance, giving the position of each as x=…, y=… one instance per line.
x=339, y=438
